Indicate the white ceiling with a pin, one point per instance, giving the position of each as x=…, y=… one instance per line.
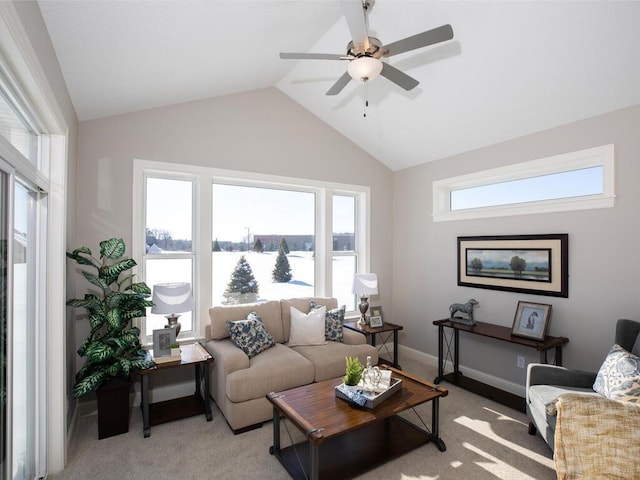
x=513, y=67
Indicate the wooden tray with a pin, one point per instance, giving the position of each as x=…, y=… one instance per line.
x=374, y=400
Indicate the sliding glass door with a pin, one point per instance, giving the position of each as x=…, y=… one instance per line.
x=20, y=383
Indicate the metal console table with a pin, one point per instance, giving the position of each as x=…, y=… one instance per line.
x=491, y=331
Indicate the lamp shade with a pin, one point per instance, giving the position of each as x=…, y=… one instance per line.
x=172, y=298
x=365, y=284
x=364, y=68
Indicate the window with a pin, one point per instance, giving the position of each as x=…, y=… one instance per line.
x=270, y=233
x=573, y=181
x=242, y=237
x=345, y=255
x=169, y=253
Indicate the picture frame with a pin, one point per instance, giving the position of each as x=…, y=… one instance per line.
x=531, y=320
x=533, y=264
x=375, y=321
x=376, y=311
x=163, y=338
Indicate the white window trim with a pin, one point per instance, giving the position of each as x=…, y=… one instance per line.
x=21, y=63
x=205, y=177
x=602, y=156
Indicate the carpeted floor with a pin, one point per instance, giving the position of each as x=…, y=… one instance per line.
x=484, y=441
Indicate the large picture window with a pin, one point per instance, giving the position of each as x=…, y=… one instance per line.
x=241, y=238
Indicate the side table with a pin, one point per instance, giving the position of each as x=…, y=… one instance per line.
x=194, y=355
x=371, y=332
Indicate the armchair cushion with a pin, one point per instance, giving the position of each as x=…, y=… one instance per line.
x=619, y=376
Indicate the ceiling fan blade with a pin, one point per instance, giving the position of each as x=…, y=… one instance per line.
x=424, y=39
x=356, y=17
x=340, y=84
x=312, y=56
x=399, y=78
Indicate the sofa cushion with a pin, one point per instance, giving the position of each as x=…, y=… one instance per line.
x=268, y=311
x=307, y=328
x=250, y=335
x=619, y=376
x=329, y=359
x=276, y=369
x=301, y=304
x=333, y=329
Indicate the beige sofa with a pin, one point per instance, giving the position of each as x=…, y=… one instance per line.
x=239, y=384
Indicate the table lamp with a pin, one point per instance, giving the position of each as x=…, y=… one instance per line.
x=171, y=299
x=364, y=284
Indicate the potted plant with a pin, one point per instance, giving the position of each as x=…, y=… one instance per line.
x=112, y=348
x=353, y=372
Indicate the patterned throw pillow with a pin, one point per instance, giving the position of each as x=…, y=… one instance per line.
x=619, y=376
x=333, y=322
x=250, y=335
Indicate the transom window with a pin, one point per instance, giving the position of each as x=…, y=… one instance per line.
x=572, y=181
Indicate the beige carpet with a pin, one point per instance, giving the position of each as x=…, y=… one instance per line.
x=484, y=441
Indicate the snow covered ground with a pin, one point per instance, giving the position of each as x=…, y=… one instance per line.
x=302, y=270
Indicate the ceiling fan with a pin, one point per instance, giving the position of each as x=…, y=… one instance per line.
x=364, y=52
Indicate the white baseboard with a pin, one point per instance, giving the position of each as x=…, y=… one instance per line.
x=432, y=360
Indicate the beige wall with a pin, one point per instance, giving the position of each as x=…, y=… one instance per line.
x=603, y=251
x=258, y=131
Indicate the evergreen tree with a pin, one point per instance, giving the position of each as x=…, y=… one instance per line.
x=282, y=270
x=243, y=287
x=257, y=246
x=283, y=247
x=216, y=246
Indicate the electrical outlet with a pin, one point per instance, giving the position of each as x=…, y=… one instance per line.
x=520, y=361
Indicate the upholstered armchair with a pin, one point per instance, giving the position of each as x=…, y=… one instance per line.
x=545, y=383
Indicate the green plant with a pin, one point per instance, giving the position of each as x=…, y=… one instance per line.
x=112, y=347
x=354, y=371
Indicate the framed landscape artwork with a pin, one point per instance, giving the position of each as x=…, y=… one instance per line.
x=536, y=264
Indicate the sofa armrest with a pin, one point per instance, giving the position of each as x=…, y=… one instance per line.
x=227, y=356
x=544, y=374
x=353, y=338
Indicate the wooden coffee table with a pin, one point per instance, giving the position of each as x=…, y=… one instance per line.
x=343, y=439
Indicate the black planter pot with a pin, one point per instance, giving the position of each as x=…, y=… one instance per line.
x=114, y=407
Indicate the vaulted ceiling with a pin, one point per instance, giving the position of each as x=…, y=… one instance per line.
x=512, y=68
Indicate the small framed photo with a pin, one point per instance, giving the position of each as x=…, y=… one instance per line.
x=376, y=311
x=163, y=338
x=375, y=321
x=531, y=320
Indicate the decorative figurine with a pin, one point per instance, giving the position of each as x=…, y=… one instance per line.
x=463, y=308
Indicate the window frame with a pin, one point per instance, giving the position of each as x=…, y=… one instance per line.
x=602, y=156
x=205, y=177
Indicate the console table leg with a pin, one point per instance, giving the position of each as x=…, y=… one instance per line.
x=456, y=355
x=558, y=358
x=440, y=354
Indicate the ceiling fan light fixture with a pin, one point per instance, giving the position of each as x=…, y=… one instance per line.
x=364, y=68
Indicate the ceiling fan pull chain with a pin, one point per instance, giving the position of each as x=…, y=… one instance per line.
x=366, y=99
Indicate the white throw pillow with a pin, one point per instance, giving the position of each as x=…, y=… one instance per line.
x=307, y=329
